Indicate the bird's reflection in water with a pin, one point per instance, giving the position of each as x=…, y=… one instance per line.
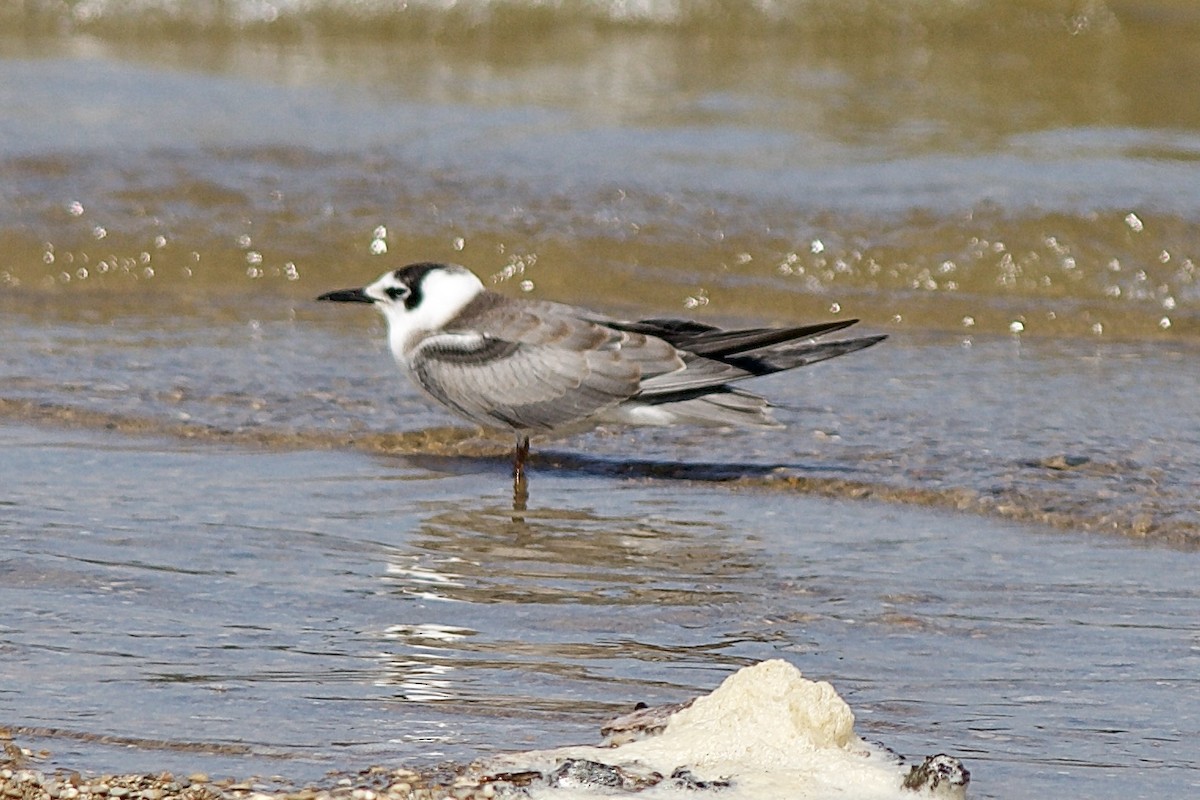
x=557, y=595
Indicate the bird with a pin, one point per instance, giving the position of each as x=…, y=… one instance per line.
x=531, y=366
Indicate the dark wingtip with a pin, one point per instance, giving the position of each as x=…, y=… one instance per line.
x=347, y=296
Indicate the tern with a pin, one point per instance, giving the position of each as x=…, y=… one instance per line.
x=533, y=366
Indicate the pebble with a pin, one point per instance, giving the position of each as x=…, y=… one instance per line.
x=376, y=783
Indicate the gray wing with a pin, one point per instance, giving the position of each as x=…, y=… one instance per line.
x=715, y=357
x=534, y=366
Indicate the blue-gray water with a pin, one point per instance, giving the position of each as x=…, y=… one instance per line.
x=329, y=611
x=233, y=539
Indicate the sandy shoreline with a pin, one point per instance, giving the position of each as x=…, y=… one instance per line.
x=766, y=731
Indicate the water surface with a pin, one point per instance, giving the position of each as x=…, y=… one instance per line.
x=236, y=540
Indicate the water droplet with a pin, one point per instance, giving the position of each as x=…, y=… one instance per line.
x=75, y=208
x=459, y=243
x=817, y=246
x=835, y=308
x=380, y=232
x=244, y=241
x=1016, y=326
x=99, y=232
x=1164, y=323
x=1098, y=328
x=254, y=257
x=526, y=285
x=1134, y=222
x=968, y=321
x=378, y=247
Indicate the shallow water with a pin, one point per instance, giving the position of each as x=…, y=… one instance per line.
x=289, y=613
x=234, y=539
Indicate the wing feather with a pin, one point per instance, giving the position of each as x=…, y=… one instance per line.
x=537, y=366
x=534, y=366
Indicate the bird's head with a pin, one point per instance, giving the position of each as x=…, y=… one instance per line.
x=418, y=298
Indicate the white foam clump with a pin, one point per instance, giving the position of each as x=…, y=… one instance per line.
x=768, y=731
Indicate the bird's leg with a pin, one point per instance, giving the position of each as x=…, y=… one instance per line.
x=520, y=482
x=519, y=455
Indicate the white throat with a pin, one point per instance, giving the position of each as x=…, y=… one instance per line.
x=443, y=295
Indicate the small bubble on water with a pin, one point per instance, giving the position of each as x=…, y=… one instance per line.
x=254, y=257
x=1164, y=323
x=99, y=232
x=160, y=241
x=458, y=244
x=1164, y=257
x=148, y=272
x=244, y=241
x=1016, y=326
x=1168, y=303
x=835, y=308
x=1134, y=222
x=75, y=208
x=1098, y=328
x=968, y=321
x=817, y=246
x=526, y=285
x=291, y=272
x=378, y=247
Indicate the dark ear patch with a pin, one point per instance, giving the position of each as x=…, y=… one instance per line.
x=413, y=298
x=412, y=276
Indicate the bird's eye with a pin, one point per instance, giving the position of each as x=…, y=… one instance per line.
x=396, y=292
